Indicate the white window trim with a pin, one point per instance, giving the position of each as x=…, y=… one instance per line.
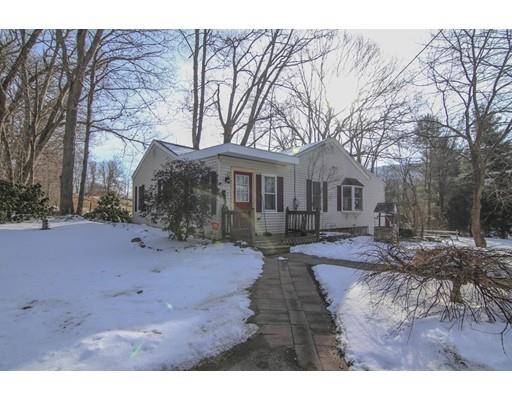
x=248, y=189
x=263, y=192
x=353, y=199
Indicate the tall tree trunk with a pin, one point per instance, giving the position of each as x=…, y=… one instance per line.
x=429, y=190
x=28, y=169
x=75, y=91
x=68, y=157
x=195, y=88
x=228, y=132
x=478, y=186
x=200, y=116
x=7, y=155
x=88, y=123
x=92, y=185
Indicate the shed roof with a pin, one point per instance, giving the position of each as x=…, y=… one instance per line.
x=386, y=208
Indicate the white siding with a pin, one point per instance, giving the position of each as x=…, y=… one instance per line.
x=329, y=163
x=326, y=162
x=271, y=221
x=152, y=161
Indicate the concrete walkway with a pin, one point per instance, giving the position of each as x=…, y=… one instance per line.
x=290, y=311
x=296, y=331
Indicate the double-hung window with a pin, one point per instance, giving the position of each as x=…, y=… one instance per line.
x=352, y=195
x=347, y=198
x=358, y=198
x=269, y=193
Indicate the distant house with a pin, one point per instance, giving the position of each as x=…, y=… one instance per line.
x=264, y=185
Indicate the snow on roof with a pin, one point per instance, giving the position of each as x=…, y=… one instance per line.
x=296, y=150
x=176, y=148
x=235, y=150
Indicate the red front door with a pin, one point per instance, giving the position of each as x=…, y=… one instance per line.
x=242, y=189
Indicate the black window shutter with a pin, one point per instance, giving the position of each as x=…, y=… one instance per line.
x=280, y=194
x=258, y=193
x=135, y=193
x=316, y=195
x=324, y=195
x=338, y=197
x=214, y=190
x=142, y=205
x=309, y=195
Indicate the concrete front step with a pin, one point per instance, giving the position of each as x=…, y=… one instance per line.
x=271, y=250
x=271, y=245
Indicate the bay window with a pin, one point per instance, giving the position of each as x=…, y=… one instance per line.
x=352, y=198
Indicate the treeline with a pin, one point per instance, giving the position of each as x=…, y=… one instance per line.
x=273, y=88
x=261, y=87
x=267, y=88
x=433, y=183
x=59, y=88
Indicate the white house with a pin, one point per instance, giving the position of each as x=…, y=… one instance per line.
x=265, y=184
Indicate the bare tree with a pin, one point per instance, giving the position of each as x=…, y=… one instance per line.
x=87, y=138
x=379, y=117
x=451, y=282
x=65, y=86
x=45, y=90
x=256, y=60
x=305, y=115
x=472, y=73
x=16, y=46
x=111, y=174
x=439, y=158
x=201, y=44
x=374, y=122
x=411, y=205
x=75, y=71
x=126, y=77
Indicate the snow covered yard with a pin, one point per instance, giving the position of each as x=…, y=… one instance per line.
x=82, y=296
x=369, y=337
x=357, y=248
x=353, y=249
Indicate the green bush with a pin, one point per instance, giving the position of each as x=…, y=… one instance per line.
x=21, y=202
x=109, y=209
x=182, y=198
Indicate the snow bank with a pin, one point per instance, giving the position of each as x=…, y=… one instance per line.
x=494, y=243
x=353, y=249
x=360, y=248
x=82, y=296
x=370, y=340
